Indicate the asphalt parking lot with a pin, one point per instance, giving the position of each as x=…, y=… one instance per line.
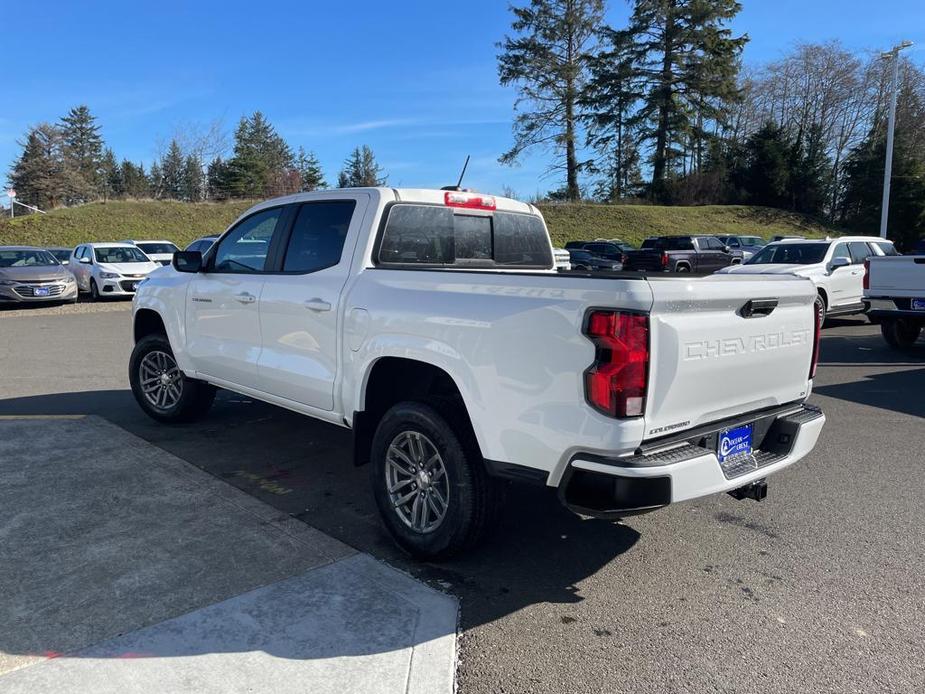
x=818, y=588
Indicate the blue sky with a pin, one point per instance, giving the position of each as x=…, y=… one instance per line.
x=415, y=80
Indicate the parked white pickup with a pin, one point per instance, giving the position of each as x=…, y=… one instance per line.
x=894, y=289
x=435, y=326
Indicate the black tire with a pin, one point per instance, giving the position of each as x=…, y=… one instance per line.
x=474, y=498
x=94, y=290
x=195, y=396
x=682, y=268
x=900, y=333
x=581, y=268
x=821, y=309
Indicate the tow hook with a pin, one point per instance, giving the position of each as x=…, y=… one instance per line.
x=757, y=490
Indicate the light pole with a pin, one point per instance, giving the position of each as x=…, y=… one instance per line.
x=891, y=125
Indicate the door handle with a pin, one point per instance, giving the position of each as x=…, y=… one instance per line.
x=245, y=298
x=318, y=305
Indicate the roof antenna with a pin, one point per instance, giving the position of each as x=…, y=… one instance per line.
x=458, y=185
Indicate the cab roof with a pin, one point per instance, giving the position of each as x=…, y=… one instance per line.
x=431, y=196
x=830, y=239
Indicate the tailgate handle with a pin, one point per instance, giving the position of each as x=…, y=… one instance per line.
x=758, y=307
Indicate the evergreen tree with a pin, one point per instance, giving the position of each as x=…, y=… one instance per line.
x=111, y=176
x=862, y=203
x=156, y=181
x=38, y=175
x=811, y=174
x=766, y=176
x=310, y=173
x=83, y=153
x=361, y=170
x=547, y=60
x=172, y=169
x=217, y=180
x=192, y=183
x=612, y=93
x=262, y=161
x=688, y=61
x=134, y=180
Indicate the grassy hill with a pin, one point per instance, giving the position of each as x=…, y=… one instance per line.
x=182, y=222
x=633, y=223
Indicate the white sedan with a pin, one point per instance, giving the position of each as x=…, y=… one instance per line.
x=160, y=252
x=109, y=269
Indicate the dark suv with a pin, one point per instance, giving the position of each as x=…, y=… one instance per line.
x=702, y=254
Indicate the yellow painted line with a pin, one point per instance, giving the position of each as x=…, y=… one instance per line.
x=8, y=417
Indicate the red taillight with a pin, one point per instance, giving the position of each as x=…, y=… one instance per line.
x=617, y=381
x=664, y=260
x=471, y=201
x=867, y=274
x=624, y=258
x=817, y=335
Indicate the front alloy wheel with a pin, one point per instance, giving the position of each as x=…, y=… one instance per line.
x=161, y=380
x=160, y=387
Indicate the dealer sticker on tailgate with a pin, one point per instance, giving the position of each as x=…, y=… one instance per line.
x=918, y=304
x=734, y=443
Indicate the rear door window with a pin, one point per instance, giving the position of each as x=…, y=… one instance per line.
x=677, y=243
x=860, y=252
x=436, y=236
x=886, y=248
x=317, y=239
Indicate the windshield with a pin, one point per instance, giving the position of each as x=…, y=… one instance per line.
x=751, y=240
x=62, y=254
x=27, y=258
x=790, y=254
x=157, y=247
x=120, y=254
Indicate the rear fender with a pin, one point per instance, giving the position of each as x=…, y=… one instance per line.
x=425, y=350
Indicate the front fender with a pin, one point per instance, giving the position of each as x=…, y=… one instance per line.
x=167, y=298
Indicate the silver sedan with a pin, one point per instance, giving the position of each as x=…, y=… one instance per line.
x=33, y=275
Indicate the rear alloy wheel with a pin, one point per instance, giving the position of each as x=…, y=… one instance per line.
x=161, y=388
x=820, y=309
x=900, y=333
x=433, y=492
x=94, y=290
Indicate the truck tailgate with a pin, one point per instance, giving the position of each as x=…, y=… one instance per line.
x=725, y=345
x=897, y=277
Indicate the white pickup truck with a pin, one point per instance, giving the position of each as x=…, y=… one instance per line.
x=894, y=290
x=433, y=324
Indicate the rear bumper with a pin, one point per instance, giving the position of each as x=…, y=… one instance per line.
x=882, y=309
x=688, y=469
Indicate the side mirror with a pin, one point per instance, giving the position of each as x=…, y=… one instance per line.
x=727, y=249
x=187, y=261
x=85, y=260
x=838, y=262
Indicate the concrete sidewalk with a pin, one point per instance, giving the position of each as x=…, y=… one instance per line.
x=125, y=570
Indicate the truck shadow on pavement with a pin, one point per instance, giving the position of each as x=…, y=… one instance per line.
x=896, y=391
x=539, y=552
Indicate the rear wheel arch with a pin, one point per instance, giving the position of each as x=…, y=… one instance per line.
x=824, y=295
x=392, y=380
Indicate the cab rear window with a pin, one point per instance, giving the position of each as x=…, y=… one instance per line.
x=432, y=235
